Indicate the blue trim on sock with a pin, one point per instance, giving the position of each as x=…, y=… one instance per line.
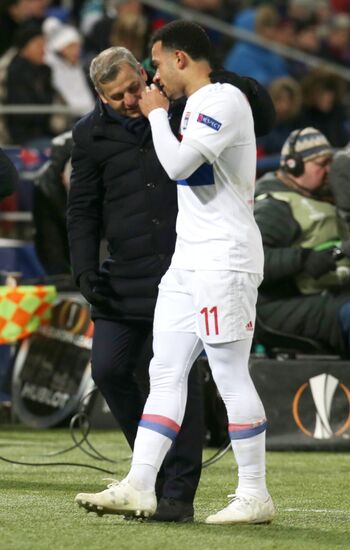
x=250, y=432
x=160, y=428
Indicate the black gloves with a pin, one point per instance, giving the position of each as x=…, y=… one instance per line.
x=319, y=262
x=87, y=284
x=260, y=101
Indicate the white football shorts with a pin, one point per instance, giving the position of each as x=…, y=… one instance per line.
x=218, y=306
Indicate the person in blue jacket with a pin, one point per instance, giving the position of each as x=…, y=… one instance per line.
x=256, y=61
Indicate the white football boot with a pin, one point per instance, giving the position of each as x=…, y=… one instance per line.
x=244, y=509
x=119, y=498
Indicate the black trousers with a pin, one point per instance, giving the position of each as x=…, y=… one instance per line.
x=121, y=353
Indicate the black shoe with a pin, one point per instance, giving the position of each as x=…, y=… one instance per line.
x=169, y=509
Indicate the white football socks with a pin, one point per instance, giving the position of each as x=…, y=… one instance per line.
x=250, y=457
x=142, y=477
x=149, y=452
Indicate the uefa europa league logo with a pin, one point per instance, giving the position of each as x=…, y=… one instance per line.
x=322, y=388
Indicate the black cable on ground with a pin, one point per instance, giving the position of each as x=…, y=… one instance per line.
x=4, y=459
x=77, y=444
x=98, y=455
x=217, y=456
x=84, y=420
x=85, y=428
x=84, y=425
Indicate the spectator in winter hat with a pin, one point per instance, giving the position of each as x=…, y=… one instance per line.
x=28, y=82
x=63, y=56
x=306, y=287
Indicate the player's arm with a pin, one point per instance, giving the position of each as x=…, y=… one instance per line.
x=178, y=160
x=216, y=127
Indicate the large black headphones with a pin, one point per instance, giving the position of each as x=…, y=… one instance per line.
x=293, y=162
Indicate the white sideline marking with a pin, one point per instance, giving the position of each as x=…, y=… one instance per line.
x=315, y=510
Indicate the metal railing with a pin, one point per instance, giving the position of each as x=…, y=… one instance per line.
x=18, y=216
x=212, y=23
x=38, y=110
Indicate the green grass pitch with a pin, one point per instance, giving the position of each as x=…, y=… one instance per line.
x=311, y=492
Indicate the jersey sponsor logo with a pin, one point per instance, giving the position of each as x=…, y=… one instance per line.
x=186, y=119
x=208, y=121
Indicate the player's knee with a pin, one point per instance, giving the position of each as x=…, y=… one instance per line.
x=165, y=374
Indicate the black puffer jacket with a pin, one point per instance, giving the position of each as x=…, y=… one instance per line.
x=120, y=191
x=49, y=211
x=28, y=84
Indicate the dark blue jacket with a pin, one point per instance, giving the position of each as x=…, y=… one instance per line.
x=119, y=191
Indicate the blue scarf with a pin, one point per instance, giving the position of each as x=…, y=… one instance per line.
x=136, y=125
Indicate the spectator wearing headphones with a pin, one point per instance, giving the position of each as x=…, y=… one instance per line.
x=306, y=287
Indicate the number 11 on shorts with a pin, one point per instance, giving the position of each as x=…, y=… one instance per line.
x=210, y=319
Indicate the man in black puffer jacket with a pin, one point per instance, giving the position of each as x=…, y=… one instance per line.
x=120, y=191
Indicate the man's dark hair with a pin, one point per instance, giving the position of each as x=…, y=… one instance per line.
x=186, y=36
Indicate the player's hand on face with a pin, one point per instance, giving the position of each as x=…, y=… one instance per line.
x=152, y=98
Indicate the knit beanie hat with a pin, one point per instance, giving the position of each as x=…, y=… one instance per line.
x=59, y=35
x=309, y=143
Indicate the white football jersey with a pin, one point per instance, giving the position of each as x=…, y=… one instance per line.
x=215, y=225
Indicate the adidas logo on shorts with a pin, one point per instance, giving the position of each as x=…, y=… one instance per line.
x=249, y=326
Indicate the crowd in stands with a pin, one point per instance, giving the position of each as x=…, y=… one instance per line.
x=46, y=49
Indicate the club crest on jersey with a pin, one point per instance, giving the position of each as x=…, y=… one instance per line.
x=186, y=119
x=211, y=122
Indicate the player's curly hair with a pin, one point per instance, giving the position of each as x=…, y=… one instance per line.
x=187, y=36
